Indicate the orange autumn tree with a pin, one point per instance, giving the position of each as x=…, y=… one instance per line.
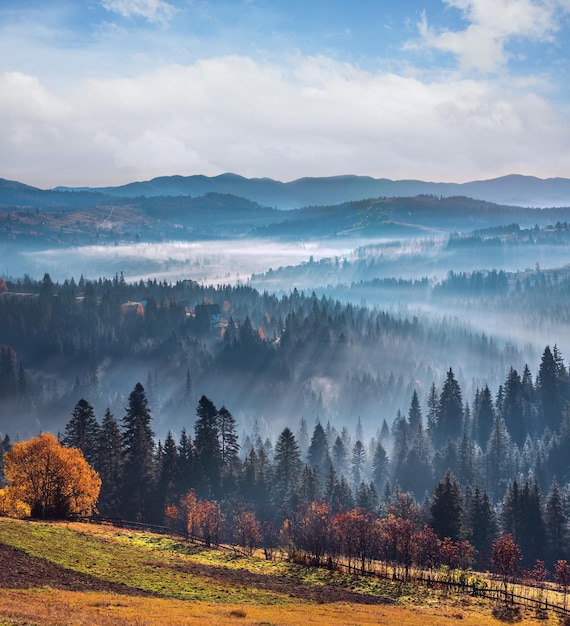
x=54, y=481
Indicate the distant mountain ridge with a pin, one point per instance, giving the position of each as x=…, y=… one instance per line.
x=514, y=189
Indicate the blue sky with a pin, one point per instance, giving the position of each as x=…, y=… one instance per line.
x=99, y=92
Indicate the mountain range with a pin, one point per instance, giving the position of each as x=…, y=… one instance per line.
x=527, y=191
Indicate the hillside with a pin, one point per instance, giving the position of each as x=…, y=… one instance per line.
x=512, y=189
x=101, y=575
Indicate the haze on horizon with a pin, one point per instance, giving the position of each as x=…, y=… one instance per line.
x=105, y=92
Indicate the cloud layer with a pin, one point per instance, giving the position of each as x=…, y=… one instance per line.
x=150, y=87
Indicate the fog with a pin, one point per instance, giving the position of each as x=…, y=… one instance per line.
x=389, y=316
x=211, y=261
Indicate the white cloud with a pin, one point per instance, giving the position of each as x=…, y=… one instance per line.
x=313, y=117
x=493, y=24
x=151, y=10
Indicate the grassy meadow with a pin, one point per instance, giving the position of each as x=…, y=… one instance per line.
x=70, y=573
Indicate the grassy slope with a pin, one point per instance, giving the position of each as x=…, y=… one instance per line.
x=81, y=574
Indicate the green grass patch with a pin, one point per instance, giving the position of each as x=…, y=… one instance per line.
x=149, y=563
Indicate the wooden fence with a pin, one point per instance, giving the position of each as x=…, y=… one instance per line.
x=483, y=588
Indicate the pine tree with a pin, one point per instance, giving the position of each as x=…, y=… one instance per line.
x=484, y=417
x=416, y=474
x=168, y=473
x=548, y=390
x=556, y=523
x=498, y=459
x=318, y=454
x=432, y=403
x=513, y=415
x=522, y=517
x=229, y=450
x=357, y=464
x=339, y=456
x=414, y=414
x=303, y=438
x=449, y=409
x=318, y=448
x=185, y=465
x=287, y=471
x=207, y=447
x=82, y=432
x=138, y=457
x=379, y=466
x=401, y=439
x=446, y=508
x=481, y=526
x=110, y=465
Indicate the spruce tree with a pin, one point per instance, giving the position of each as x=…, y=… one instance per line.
x=549, y=390
x=185, y=465
x=449, y=409
x=110, y=465
x=207, y=447
x=414, y=414
x=168, y=473
x=318, y=449
x=229, y=450
x=287, y=471
x=379, y=466
x=446, y=508
x=556, y=523
x=357, y=464
x=138, y=457
x=481, y=526
x=82, y=432
x=484, y=415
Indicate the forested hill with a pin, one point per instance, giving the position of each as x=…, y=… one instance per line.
x=31, y=216
x=271, y=356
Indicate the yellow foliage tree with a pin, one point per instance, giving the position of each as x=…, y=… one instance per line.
x=10, y=506
x=54, y=481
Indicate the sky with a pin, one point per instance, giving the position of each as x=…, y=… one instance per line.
x=105, y=92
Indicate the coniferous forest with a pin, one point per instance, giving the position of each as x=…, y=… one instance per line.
x=408, y=400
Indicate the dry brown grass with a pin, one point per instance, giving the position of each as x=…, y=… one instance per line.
x=51, y=607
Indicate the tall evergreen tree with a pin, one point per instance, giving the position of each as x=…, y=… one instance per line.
x=287, y=471
x=416, y=474
x=414, y=414
x=481, y=526
x=318, y=449
x=548, y=390
x=449, y=409
x=401, y=445
x=513, y=414
x=498, y=459
x=303, y=438
x=357, y=464
x=110, y=465
x=522, y=517
x=339, y=456
x=138, y=457
x=185, y=464
x=446, y=508
x=229, y=450
x=432, y=403
x=82, y=431
x=484, y=415
x=556, y=523
x=379, y=466
x=168, y=473
x=207, y=447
